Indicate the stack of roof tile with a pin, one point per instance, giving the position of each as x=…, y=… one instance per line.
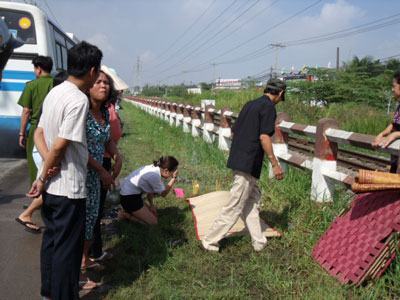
x=361, y=243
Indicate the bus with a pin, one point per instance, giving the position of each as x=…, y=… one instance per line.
x=41, y=36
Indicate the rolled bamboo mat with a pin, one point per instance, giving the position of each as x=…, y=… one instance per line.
x=375, y=177
x=372, y=187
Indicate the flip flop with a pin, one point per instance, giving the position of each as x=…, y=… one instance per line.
x=94, y=285
x=27, y=228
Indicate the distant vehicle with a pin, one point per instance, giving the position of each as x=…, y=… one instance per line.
x=41, y=37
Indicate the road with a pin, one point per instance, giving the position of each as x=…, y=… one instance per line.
x=19, y=249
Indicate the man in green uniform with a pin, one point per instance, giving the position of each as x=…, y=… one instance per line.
x=31, y=100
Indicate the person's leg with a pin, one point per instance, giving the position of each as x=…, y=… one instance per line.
x=92, y=211
x=241, y=189
x=97, y=245
x=251, y=216
x=47, y=249
x=145, y=215
x=69, y=220
x=29, y=148
x=26, y=215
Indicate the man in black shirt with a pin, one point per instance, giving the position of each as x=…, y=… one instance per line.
x=252, y=134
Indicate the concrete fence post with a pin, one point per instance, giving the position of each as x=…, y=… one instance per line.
x=208, y=126
x=280, y=141
x=196, y=121
x=325, y=157
x=167, y=111
x=187, y=112
x=179, y=115
x=172, y=115
x=162, y=110
x=224, y=131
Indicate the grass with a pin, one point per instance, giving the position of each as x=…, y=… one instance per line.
x=350, y=116
x=165, y=262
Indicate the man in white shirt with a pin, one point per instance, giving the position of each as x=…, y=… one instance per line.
x=63, y=124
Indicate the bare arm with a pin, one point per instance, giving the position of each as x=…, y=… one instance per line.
x=105, y=177
x=266, y=144
x=40, y=142
x=170, y=184
x=26, y=113
x=52, y=160
x=111, y=147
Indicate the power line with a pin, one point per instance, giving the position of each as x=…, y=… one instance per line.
x=197, y=36
x=260, y=34
x=209, y=39
x=187, y=30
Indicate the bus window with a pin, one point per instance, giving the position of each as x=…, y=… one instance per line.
x=59, y=64
x=64, y=57
x=20, y=24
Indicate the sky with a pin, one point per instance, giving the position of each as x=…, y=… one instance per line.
x=192, y=41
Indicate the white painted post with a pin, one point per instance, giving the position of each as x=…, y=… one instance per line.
x=179, y=115
x=172, y=115
x=325, y=156
x=279, y=144
x=196, y=121
x=224, y=131
x=208, y=126
x=186, y=118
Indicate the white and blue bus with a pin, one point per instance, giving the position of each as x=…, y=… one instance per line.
x=41, y=37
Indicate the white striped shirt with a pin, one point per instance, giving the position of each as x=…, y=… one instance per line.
x=64, y=114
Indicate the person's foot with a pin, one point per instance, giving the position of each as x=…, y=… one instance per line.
x=260, y=247
x=209, y=248
x=122, y=215
x=104, y=256
x=27, y=222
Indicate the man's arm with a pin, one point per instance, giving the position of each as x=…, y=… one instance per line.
x=266, y=144
x=25, y=115
x=40, y=142
x=53, y=159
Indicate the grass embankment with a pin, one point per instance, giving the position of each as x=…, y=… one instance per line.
x=165, y=262
x=350, y=116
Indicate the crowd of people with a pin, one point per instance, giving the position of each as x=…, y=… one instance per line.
x=70, y=129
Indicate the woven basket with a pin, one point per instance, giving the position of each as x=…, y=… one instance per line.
x=367, y=176
x=364, y=188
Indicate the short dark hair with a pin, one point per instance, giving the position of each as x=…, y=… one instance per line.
x=43, y=62
x=167, y=162
x=60, y=77
x=396, y=76
x=82, y=57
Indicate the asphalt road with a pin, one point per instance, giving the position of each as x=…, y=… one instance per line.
x=19, y=249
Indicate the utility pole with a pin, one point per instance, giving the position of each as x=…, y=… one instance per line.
x=138, y=73
x=278, y=47
x=337, y=59
x=214, y=74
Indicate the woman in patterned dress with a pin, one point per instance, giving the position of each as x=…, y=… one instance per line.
x=98, y=140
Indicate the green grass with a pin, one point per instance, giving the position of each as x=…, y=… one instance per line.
x=149, y=264
x=350, y=116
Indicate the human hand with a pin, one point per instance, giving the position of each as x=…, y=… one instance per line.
x=386, y=141
x=377, y=141
x=36, y=189
x=278, y=172
x=22, y=141
x=175, y=174
x=116, y=168
x=106, y=179
x=53, y=171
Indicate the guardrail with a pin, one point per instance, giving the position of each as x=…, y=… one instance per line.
x=215, y=125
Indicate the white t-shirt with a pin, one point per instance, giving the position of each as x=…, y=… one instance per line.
x=64, y=114
x=146, y=179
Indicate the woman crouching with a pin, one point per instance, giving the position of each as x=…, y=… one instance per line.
x=147, y=180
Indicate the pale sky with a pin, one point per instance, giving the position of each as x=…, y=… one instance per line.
x=179, y=40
